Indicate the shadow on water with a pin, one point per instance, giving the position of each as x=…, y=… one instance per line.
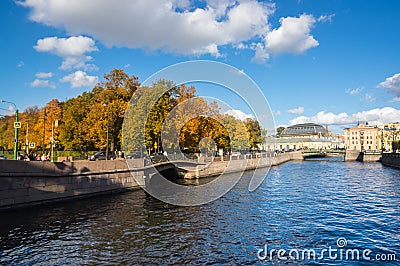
x=325, y=159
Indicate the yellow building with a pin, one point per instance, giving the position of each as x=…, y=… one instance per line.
x=388, y=133
x=362, y=137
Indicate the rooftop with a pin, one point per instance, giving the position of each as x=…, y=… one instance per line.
x=308, y=129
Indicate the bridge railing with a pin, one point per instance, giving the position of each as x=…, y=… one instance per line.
x=323, y=151
x=208, y=159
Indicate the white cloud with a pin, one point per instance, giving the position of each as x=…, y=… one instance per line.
x=44, y=75
x=293, y=36
x=73, y=51
x=239, y=114
x=80, y=79
x=168, y=25
x=242, y=46
x=392, y=84
x=397, y=99
x=66, y=47
x=20, y=64
x=299, y=110
x=178, y=26
x=277, y=113
x=374, y=117
x=354, y=91
x=326, y=18
x=41, y=83
x=261, y=54
x=369, y=98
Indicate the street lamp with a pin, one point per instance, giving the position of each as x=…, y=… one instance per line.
x=15, y=127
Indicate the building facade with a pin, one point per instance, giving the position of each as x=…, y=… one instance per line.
x=387, y=134
x=362, y=138
x=307, y=136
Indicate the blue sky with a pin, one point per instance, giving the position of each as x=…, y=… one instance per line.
x=330, y=62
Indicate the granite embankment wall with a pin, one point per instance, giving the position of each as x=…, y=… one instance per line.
x=28, y=183
x=362, y=156
x=218, y=167
x=351, y=155
x=391, y=159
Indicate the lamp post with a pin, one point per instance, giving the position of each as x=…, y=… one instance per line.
x=15, y=128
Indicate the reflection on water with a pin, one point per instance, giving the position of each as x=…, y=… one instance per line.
x=299, y=205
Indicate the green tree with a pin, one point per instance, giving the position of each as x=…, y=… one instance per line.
x=145, y=116
x=395, y=145
x=254, y=133
x=238, y=133
x=279, y=131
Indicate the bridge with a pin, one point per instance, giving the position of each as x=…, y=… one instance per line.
x=322, y=153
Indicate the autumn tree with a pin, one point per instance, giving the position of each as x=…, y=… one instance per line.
x=73, y=131
x=27, y=134
x=7, y=132
x=42, y=129
x=88, y=116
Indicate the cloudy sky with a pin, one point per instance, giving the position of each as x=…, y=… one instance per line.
x=329, y=62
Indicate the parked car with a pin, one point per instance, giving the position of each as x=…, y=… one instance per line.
x=158, y=158
x=2, y=157
x=134, y=155
x=101, y=155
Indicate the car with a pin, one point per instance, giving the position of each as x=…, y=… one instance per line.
x=101, y=155
x=2, y=157
x=134, y=155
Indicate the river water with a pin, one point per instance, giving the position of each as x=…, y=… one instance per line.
x=307, y=205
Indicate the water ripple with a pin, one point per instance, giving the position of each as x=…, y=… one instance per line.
x=300, y=205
